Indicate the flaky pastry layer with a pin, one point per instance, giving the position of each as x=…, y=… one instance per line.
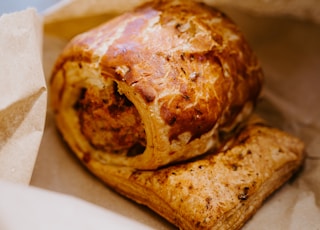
x=219, y=190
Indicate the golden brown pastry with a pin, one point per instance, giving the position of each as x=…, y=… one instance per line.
x=218, y=191
x=155, y=85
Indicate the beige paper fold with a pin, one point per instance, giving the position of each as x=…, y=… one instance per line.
x=23, y=94
x=70, y=9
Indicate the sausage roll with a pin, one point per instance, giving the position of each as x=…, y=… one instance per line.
x=154, y=85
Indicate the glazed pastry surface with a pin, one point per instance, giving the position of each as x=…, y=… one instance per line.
x=155, y=85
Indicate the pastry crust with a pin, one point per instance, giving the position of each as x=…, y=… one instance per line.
x=155, y=85
x=219, y=190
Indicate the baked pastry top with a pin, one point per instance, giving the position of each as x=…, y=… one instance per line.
x=154, y=85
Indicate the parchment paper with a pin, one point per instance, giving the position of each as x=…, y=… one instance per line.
x=289, y=51
x=23, y=94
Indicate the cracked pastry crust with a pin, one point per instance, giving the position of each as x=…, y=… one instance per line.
x=154, y=85
x=219, y=190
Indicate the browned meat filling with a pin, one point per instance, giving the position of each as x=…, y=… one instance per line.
x=110, y=121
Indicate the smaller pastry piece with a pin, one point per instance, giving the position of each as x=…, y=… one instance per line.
x=220, y=190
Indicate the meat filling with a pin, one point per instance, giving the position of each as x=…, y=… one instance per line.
x=110, y=121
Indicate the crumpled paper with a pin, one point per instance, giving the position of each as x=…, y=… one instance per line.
x=289, y=52
x=23, y=94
